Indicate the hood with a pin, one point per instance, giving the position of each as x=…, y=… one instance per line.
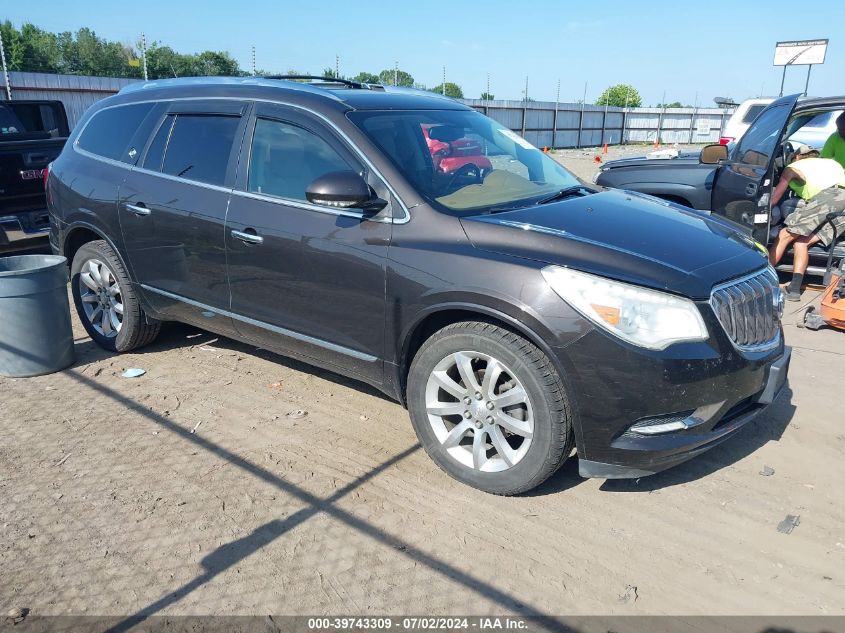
x=625, y=236
x=685, y=157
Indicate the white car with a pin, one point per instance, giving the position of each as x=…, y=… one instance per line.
x=742, y=118
x=817, y=130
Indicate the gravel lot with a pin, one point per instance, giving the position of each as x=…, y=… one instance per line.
x=227, y=480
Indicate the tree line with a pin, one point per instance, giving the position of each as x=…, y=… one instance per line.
x=30, y=48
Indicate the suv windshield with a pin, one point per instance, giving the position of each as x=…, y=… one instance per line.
x=461, y=161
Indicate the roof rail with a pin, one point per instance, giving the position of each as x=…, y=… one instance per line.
x=329, y=80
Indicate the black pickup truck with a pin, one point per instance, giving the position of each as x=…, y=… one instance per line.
x=736, y=180
x=32, y=134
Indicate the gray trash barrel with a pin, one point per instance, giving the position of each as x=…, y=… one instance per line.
x=35, y=331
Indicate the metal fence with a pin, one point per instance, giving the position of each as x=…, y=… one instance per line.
x=542, y=123
x=547, y=124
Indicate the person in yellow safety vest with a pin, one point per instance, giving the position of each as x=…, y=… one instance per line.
x=834, y=147
x=817, y=188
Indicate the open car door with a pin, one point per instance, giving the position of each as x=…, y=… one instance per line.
x=746, y=175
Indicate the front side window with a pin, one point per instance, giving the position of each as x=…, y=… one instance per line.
x=463, y=162
x=109, y=131
x=759, y=142
x=286, y=158
x=200, y=146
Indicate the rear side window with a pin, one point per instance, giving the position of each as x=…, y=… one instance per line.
x=109, y=131
x=285, y=159
x=752, y=112
x=155, y=154
x=200, y=146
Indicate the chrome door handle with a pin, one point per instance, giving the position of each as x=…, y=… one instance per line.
x=249, y=238
x=134, y=208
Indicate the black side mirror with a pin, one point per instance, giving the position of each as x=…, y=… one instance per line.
x=713, y=154
x=343, y=190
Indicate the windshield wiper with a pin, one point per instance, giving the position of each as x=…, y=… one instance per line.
x=565, y=193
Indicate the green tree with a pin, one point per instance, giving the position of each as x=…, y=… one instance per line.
x=619, y=95
x=674, y=104
x=367, y=78
x=451, y=90
x=386, y=77
x=487, y=96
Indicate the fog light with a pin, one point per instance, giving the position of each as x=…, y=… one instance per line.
x=662, y=424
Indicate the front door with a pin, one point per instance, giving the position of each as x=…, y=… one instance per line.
x=306, y=280
x=173, y=208
x=742, y=181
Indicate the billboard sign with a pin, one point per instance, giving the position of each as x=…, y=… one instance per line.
x=800, y=53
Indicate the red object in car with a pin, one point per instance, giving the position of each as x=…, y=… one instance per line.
x=45, y=173
x=449, y=157
x=726, y=139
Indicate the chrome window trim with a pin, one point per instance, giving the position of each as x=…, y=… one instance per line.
x=760, y=347
x=267, y=326
x=308, y=206
x=403, y=220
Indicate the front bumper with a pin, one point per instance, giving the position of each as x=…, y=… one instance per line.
x=705, y=391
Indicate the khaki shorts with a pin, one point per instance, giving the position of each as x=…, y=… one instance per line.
x=805, y=220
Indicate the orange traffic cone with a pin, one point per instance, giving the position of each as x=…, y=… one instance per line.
x=545, y=150
x=657, y=143
x=604, y=151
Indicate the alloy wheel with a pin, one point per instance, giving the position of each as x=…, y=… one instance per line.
x=479, y=411
x=101, y=299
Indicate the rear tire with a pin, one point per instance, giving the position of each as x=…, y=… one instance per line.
x=505, y=434
x=106, y=302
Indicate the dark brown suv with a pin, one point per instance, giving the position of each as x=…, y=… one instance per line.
x=515, y=310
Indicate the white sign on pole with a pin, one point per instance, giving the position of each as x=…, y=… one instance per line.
x=702, y=127
x=800, y=53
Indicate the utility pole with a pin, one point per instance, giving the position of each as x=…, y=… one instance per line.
x=337, y=66
x=581, y=118
x=554, y=118
x=526, y=89
x=396, y=73
x=5, y=70
x=443, y=85
x=253, y=61
x=488, y=87
x=144, y=54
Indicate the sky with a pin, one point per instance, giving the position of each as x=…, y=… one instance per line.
x=691, y=51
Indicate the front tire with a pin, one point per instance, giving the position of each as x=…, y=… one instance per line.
x=105, y=300
x=489, y=408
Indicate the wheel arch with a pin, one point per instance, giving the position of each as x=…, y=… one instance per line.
x=81, y=233
x=437, y=317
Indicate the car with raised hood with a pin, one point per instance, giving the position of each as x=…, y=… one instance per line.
x=517, y=312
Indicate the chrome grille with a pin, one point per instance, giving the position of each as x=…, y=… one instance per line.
x=750, y=309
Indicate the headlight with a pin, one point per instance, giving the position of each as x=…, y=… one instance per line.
x=647, y=318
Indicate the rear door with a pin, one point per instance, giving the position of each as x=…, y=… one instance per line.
x=746, y=175
x=173, y=209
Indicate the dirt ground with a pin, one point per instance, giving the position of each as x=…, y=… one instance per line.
x=227, y=480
